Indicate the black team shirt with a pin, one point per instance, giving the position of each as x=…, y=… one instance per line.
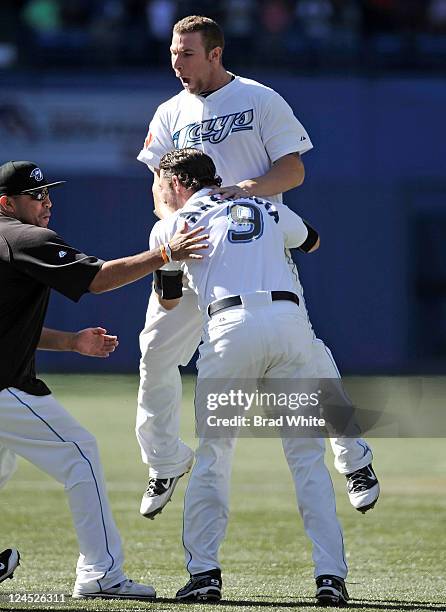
x=33, y=260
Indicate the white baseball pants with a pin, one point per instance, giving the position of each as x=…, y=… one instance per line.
x=43, y=432
x=264, y=341
x=169, y=339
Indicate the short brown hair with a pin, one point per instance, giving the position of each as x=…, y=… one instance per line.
x=194, y=169
x=211, y=33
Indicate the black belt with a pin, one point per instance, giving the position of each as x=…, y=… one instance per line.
x=236, y=300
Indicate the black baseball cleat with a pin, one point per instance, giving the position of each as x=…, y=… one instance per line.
x=331, y=591
x=9, y=560
x=205, y=586
x=363, y=488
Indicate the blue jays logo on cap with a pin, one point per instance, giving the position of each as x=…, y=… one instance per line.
x=22, y=177
x=37, y=174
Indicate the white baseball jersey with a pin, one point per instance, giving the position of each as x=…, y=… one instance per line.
x=247, y=238
x=244, y=127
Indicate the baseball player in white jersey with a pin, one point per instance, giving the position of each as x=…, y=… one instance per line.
x=249, y=131
x=255, y=327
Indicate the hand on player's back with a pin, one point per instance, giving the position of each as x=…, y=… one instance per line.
x=184, y=244
x=231, y=192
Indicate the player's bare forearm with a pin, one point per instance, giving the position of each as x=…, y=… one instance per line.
x=286, y=173
x=119, y=272
x=55, y=340
x=93, y=341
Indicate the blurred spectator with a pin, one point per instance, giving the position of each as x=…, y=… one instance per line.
x=106, y=31
x=134, y=43
x=160, y=18
x=42, y=16
x=346, y=14
x=276, y=21
x=239, y=18
x=307, y=34
x=315, y=19
x=10, y=32
x=345, y=34
x=436, y=15
x=275, y=16
x=240, y=28
x=210, y=8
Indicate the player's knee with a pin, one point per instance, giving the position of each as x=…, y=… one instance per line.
x=84, y=466
x=160, y=363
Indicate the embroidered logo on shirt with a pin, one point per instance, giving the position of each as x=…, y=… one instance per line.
x=62, y=254
x=213, y=130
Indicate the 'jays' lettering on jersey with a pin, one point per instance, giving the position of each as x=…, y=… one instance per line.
x=244, y=127
x=247, y=239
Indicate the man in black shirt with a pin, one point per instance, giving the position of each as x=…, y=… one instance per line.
x=34, y=260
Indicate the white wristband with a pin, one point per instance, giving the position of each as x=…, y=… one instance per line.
x=168, y=251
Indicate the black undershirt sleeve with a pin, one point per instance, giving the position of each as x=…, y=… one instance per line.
x=310, y=240
x=168, y=284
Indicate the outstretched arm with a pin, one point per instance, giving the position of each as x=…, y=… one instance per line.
x=93, y=341
x=119, y=272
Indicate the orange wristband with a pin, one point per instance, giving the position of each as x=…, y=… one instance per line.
x=164, y=254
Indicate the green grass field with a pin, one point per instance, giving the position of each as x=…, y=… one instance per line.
x=396, y=553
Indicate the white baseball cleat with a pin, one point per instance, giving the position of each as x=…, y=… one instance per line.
x=9, y=560
x=158, y=493
x=363, y=488
x=124, y=590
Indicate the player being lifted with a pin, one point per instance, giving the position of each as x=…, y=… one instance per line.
x=256, y=143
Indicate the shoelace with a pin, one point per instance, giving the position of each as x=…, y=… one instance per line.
x=359, y=482
x=197, y=578
x=156, y=487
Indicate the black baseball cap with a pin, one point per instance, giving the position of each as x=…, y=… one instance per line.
x=21, y=177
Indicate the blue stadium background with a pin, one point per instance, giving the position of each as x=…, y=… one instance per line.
x=375, y=188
